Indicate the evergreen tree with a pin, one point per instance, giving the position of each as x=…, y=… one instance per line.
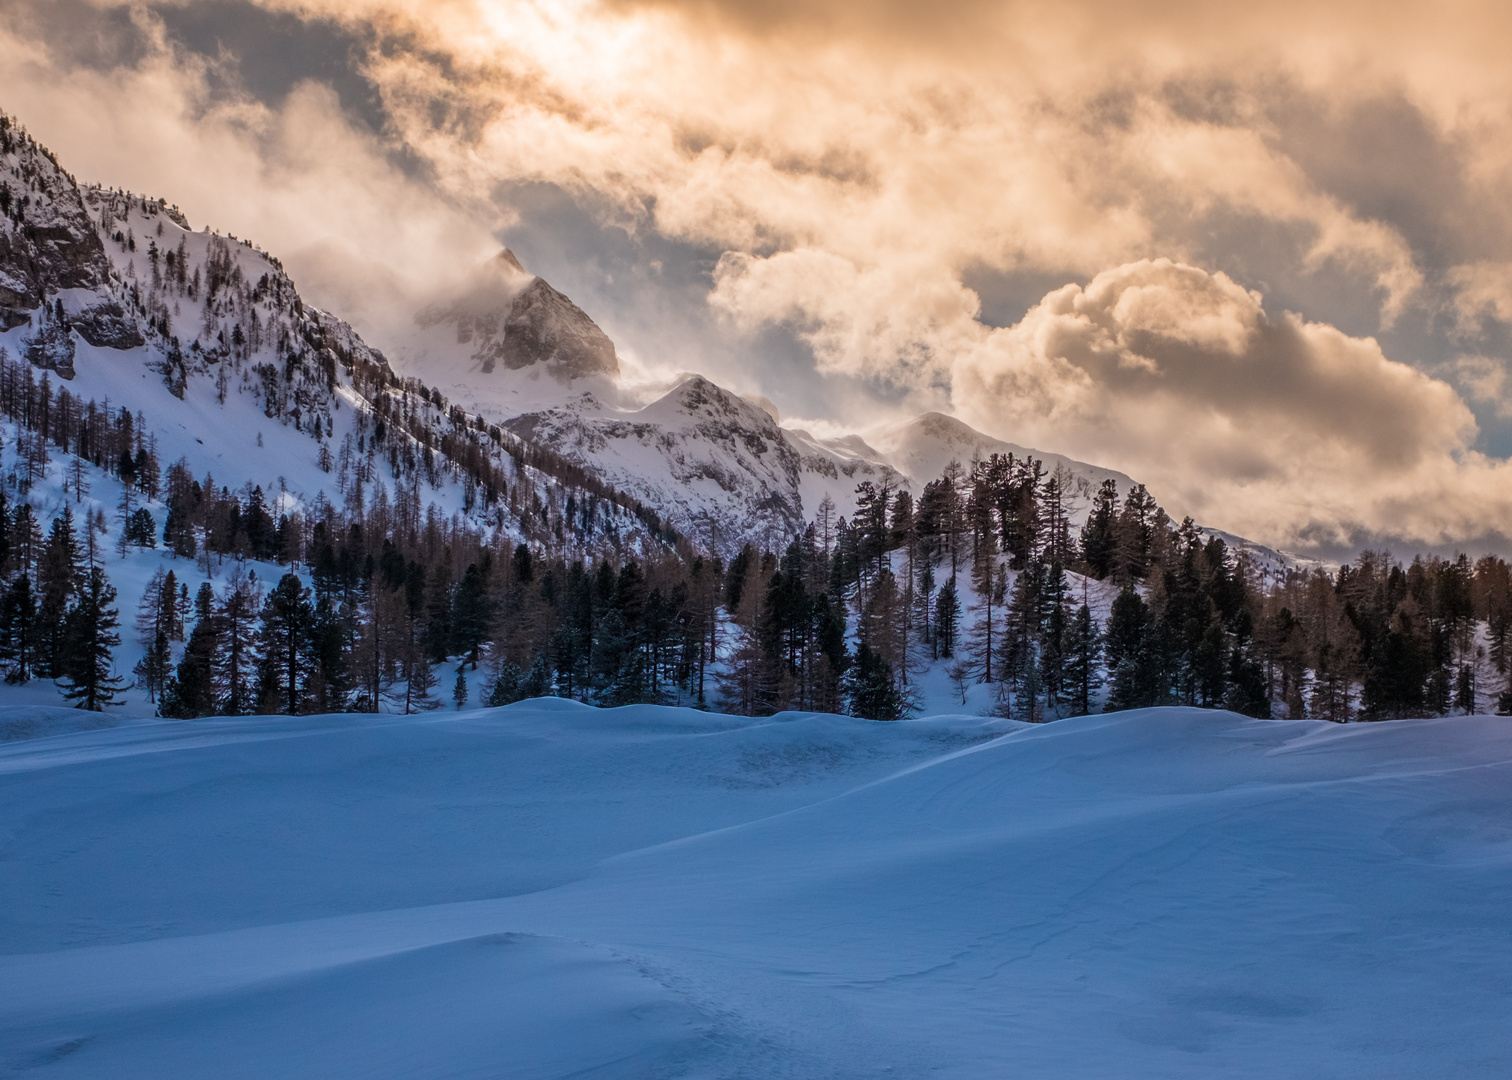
x=471, y=614
x=1130, y=652
x=1246, y=683
x=419, y=681
x=236, y=661
x=332, y=636
x=58, y=576
x=25, y=539
x=1081, y=647
x=20, y=636
x=1097, y=536
x=287, y=646
x=947, y=617
x=190, y=691
x=872, y=692
x=506, y=688
x=91, y=635
x=152, y=669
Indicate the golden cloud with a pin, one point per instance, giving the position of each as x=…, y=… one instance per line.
x=854, y=163
x=1285, y=430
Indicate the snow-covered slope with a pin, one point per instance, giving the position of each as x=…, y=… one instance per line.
x=718, y=467
x=205, y=339
x=552, y=891
x=714, y=464
x=921, y=447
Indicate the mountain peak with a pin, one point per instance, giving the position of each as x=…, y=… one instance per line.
x=544, y=327
x=513, y=319
x=507, y=258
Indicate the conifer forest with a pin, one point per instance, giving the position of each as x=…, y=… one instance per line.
x=382, y=606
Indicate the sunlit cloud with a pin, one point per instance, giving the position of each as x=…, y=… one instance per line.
x=1287, y=429
x=298, y=178
x=852, y=166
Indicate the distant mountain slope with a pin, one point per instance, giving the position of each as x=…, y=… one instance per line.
x=715, y=465
x=719, y=468
x=207, y=341
x=920, y=449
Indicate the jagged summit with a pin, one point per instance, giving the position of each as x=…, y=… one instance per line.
x=512, y=319
x=510, y=260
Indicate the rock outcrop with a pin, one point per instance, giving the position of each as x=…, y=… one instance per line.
x=54, y=272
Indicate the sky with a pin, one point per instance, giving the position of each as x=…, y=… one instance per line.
x=1258, y=256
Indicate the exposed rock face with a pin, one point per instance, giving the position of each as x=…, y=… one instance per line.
x=48, y=245
x=47, y=241
x=52, y=346
x=518, y=321
x=544, y=327
x=108, y=326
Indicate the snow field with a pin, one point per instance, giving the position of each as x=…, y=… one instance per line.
x=550, y=890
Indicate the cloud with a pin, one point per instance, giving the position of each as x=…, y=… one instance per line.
x=297, y=176
x=1288, y=431
x=1485, y=379
x=845, y=169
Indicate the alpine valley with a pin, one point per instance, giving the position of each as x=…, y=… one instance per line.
x=489, y=509
x=169, y=386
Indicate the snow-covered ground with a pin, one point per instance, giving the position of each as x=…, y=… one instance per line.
x=551, y=890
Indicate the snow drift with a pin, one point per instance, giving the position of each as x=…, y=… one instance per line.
x=552, y=890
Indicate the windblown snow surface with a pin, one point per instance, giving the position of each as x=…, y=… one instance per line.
x=550, y=890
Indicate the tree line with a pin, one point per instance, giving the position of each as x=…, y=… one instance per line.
x=982, y=571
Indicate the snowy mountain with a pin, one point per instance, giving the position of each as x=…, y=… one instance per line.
x=510, y=342
x=718, y=467
x=206, y=340
x=921, y=447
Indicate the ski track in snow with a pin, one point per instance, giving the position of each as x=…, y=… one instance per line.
x=551, y=890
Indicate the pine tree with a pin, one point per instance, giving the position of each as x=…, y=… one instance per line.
x=873, y=694
x=91, y=626
x=420, y=680
x=947, y=618
x=1130, y=653
x=58, y=576
x=1097, y=538
x=1022, y=638
x=20, y=636
x=287, y=631
x=26, y=539
x=990, y=581
x=236, y=662
x=506, y=687
x=190, y=691
x=78, y=478
x=1054, y=631
x=1082, y=645
x=1134, y=534
x=537, y=681
x=152, y=669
